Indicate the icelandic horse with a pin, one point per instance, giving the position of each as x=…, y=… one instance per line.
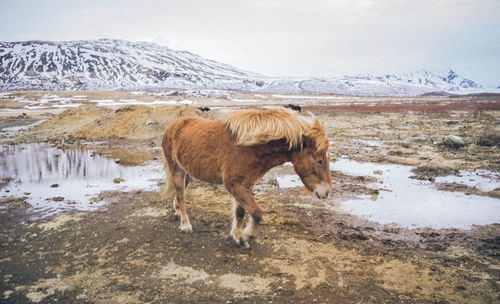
x=237, y=150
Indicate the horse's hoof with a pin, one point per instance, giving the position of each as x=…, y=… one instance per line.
x=249, y=236
x=187, y=228
x=244, y=244
x=249, y=233
x=177, y=215
x=236, y=235
x=238, y=241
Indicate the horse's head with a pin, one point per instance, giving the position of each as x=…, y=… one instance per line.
x=311, y=162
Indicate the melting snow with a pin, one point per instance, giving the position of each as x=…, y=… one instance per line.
x=289, y=181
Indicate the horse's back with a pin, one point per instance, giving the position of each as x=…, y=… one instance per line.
x=195, y=144
x=192, y=129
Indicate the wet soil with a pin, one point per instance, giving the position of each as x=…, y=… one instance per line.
x=308, y=250
x=132, y=251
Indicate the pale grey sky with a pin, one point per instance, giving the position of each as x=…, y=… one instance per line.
x=285, y=37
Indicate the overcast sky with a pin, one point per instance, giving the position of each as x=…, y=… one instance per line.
x=285, y=38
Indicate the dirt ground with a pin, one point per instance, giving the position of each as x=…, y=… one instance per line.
x=308, y=250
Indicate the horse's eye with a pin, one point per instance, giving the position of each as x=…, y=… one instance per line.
x=319, y=161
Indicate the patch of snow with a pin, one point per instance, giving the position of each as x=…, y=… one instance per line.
x=310, y=97
x=69, y=105
x=289, y=181
x=102, y=101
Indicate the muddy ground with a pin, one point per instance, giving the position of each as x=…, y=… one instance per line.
x=307, y=251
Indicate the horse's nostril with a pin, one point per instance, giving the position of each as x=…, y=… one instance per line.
x=327, y=192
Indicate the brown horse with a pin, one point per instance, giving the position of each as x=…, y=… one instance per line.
x=237, y=151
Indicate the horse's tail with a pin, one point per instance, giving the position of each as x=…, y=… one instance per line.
x=169, y=187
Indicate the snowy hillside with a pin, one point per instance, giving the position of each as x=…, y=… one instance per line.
x=107, y=64
x=447, y=81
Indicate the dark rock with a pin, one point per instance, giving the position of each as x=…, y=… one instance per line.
x=430, y=172
x=453, y=142
x=489, y=140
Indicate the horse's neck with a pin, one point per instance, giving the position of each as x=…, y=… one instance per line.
x=274, y=153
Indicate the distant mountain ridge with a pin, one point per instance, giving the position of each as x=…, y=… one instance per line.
x=105, y=64
x=448, y=82
x=108, y=64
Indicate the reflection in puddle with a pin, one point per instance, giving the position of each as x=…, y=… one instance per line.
x=54, y=180
x=415, y=203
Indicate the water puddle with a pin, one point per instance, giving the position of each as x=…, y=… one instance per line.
x=11, y=131
x=483, y=180
x=413, y=203
x=53, y=180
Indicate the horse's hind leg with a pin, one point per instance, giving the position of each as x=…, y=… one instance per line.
x=238, y=215
x=176, y=208
x=175, y=202
x=179, y=177
x=250, y=230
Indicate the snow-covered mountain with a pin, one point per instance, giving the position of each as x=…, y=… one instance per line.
x=107, y=64
x=448, y=81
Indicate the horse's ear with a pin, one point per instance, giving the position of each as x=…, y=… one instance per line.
x=316, y=137
x=314, y=127
x=316, y=122
x=313, y=120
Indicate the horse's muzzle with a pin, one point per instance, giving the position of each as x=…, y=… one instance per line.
x=322, y=191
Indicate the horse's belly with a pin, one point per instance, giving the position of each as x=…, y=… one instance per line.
x=204, y=172
x=202, y=166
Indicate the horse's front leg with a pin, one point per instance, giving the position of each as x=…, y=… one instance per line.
x=246, y=201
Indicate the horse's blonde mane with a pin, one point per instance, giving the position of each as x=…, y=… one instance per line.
x=254, y=127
